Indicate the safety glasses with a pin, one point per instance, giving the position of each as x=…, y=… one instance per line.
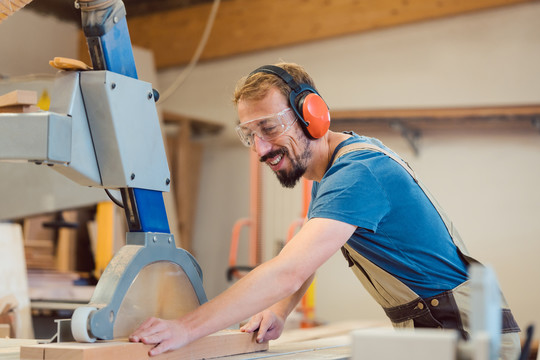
x=267, y=127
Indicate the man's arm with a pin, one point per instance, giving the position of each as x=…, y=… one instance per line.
x=264, y=286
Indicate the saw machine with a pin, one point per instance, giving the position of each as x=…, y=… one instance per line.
x=102, y=130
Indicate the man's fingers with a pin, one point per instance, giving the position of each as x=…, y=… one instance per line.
x=265, y=324
x=150, y=332
x=164, y=334
x=160, y=348
x=253, y=324
x=155, y=338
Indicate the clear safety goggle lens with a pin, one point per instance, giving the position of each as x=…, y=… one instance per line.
x=266, y=128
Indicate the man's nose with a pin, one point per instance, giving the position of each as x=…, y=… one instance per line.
x=260, y=146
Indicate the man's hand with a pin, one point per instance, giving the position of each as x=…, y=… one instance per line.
x=268, y=323
x=166, y=334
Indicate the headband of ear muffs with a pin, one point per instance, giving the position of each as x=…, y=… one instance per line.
x=305, y=101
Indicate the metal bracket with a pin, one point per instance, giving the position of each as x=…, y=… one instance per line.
x=63, y=331
x=411, y=135
x=535, y=121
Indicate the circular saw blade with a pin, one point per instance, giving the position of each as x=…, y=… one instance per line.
x=161, y=289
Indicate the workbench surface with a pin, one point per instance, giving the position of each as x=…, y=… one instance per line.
x=330, y=341
x=335, y=347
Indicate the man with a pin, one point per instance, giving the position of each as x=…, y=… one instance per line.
x=366, y=202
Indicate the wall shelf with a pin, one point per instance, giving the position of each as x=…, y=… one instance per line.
x=412, y=123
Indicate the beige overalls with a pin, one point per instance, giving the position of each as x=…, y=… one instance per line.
x=403, y=306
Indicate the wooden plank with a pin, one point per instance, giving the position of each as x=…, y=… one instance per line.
x=66, y=249
x=18, y=109
x=5, y=330
x=7, y=303
x=9, y=319
x=223, y=343
x=14, y=279
x=333, y=347
x=39, y=242
x=243, y=26
x=329, y=341
x=325, y=331
x=10, y=348
x=19, y=97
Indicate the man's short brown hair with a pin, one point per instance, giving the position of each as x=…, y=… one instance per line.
x=256, y=86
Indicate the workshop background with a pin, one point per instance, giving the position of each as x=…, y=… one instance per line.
x=485, y=176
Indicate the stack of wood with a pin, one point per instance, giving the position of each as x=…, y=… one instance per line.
x=19, y=101
x=13, y=280
x=8, y=304
x=8, y=7
x=39, y=243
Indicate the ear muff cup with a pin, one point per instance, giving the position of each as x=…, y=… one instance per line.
x=305, y=101
x=315, y=113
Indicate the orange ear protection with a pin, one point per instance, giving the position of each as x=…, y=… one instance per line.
x=306, y=102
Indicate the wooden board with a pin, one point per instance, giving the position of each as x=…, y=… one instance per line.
x=5, y=330
x=330, y=342
x=66, y=248
x=223, y=343
x=18, y=109
x=19, y=97
x=14, y=279
x=326, y=331
x=11, y=348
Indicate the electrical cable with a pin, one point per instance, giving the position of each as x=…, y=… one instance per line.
x=195, y=59
x=113, y=199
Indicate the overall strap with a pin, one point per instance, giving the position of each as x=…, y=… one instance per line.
x=366, y=146
x=402, y=305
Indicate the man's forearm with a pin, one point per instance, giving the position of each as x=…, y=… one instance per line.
x=284, y=307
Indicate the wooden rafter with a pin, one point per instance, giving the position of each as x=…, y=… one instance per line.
x=8, y=7
x=243, y=26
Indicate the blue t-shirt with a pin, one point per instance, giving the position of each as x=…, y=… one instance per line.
x=398, y=228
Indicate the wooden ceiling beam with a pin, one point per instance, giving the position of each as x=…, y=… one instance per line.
x=243, y=26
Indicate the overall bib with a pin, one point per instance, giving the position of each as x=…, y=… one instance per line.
x=403, y=306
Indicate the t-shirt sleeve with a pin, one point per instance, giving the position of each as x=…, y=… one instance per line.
x=349, y=192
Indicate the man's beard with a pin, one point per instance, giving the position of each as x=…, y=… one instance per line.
x=289, y=178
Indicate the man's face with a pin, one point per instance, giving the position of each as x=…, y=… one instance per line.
x=287, y=151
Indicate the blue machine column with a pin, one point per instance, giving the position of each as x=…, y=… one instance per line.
x=105, y=27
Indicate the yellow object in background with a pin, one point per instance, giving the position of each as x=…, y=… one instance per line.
x=44, y=101
x=308, y=306
x=105, y=236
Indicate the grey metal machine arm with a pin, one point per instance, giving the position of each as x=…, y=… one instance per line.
x=102, y=130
